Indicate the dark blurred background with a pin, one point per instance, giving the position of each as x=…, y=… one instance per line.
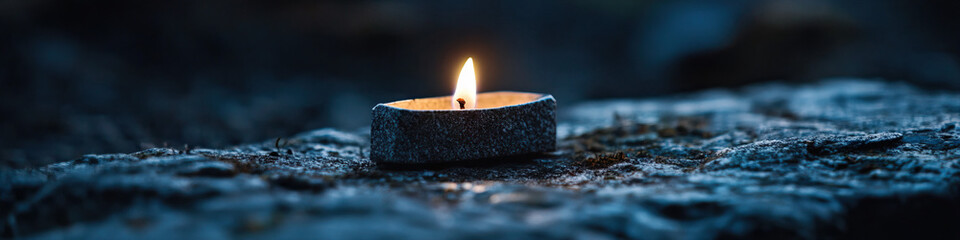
x=101, y=76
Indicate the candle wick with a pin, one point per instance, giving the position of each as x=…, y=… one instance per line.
x=462, y=102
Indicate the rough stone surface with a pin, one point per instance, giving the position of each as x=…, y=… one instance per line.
x=404, y=136
x=842, y=158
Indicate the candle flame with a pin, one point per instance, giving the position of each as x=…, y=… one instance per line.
x=465, y=96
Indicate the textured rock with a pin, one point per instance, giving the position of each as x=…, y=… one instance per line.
x=842, y=158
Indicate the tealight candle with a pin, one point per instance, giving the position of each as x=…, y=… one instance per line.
x=464, y=126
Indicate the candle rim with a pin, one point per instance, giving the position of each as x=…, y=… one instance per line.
x=540, y=97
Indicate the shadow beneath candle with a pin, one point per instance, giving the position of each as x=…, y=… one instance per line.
x=523, y=160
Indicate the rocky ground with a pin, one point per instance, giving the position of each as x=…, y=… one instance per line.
x=841, y=158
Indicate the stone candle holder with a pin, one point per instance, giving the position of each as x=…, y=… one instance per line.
x=427, y=130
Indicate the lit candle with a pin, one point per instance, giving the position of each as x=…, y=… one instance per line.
x=464, y=126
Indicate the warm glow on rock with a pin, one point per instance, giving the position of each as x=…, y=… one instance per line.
x=465, y=96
